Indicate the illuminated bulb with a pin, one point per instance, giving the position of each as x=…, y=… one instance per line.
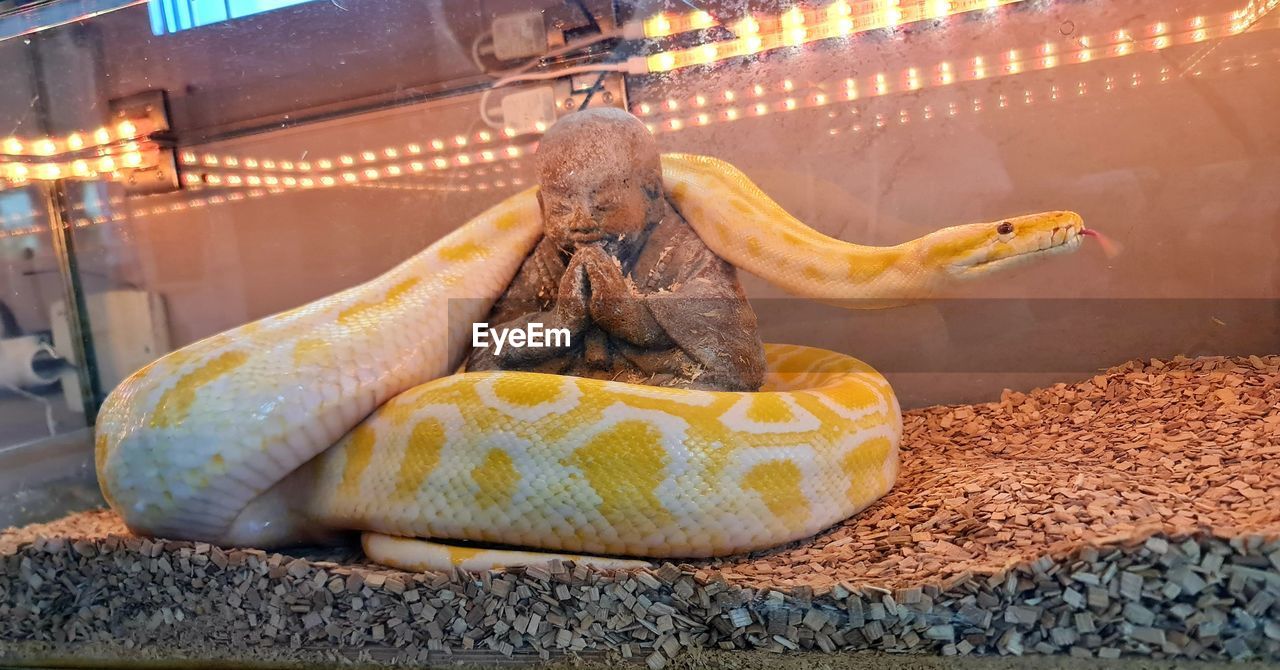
x=662, y=62
x=1197, y=22
x=368, y=155
x=234, y=180
x=892, y=15
x=819, y=99
x=881, y=85
x=509, y=132
x=190, y=179
x=672, y=105
x=844, y=26
x=913, y=80
x=460, y=141
x=414, y=148
x=437, y=145
x=271, y=180
x=513, y=151
x=1159, y=28
x=251, y=163
x=327, y=180
x=101, y=136
x=254, y=180
x=440, y=163
x=787, y=84
x=80, y=168
x=46, y=147
x=761, y=108
x=701, y=20
x=796, y=32
x=645, y=109
x=132, y=159
x=484, y=136
x=486, y=155
x=464, y=159
x=213, y=179
x=789, y=103
x=752, y=44
x=747, y=26
x=1123, y=49
x=286, y=165
x=126, y=129
x=729, y=96
x=758, y=90
x=1199, y=35
x=324, y=164
x=371, y=173
x=676, y=124
x=941, y=8
x=657, y=26
x=394, y=170
x=12, y=145
x=48, y=171
x=349, y=177
x=700, y=100
x=793, y=18
x=417, y=166
x=106, y=164
x=289, y=181
x=707, y=53
x=1162, y=42
x=703, y=119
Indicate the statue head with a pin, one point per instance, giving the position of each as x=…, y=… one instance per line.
x=600, y=180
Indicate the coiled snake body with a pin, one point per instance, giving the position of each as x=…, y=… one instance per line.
x=326, y=418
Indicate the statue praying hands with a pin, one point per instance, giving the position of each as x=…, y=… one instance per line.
x=643, y=299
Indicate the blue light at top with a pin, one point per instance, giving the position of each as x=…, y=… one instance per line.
x=171, y=16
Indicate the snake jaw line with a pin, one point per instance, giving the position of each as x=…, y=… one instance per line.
x=1033, y=236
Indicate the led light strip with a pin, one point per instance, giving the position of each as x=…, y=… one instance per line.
x=123, y=131
x=796, y=27
x=133, y=157
x=731, y=105
x=880, y=120
x=349, y=161
x=241, y=179
x=229, y=173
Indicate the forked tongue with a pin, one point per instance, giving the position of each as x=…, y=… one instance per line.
x=1109, y=246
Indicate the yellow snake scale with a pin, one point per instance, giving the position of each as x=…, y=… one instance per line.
x=343, y=414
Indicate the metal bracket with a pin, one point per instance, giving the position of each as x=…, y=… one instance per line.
x=158, y=174
x=575, y=90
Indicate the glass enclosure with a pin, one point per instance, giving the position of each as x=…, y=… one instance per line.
x=172, y=169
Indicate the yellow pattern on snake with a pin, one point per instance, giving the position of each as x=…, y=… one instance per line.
x=343, y=414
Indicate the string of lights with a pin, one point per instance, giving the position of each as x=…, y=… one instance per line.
x=858, y=119
x=705, y=107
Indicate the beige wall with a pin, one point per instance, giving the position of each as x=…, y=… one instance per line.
x=1182, y=173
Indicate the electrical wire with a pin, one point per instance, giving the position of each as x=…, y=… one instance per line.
x=563, y=72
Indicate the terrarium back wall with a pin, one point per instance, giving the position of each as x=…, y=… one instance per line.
x=1170, y=151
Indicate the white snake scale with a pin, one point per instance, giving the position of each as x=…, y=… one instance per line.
x=326, y=417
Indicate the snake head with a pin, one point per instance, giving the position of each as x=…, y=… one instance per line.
x=976, y=249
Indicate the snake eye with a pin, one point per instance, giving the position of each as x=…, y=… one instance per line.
x=1005, y=228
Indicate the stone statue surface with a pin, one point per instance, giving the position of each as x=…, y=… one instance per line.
x=643, y=298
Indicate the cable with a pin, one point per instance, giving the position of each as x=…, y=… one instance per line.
x=564, y=72
x=475, y=48
x=559, y=51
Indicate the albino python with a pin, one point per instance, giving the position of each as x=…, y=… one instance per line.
x=326, y=418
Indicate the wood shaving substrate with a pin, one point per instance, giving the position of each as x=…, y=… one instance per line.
x=1135, y=513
